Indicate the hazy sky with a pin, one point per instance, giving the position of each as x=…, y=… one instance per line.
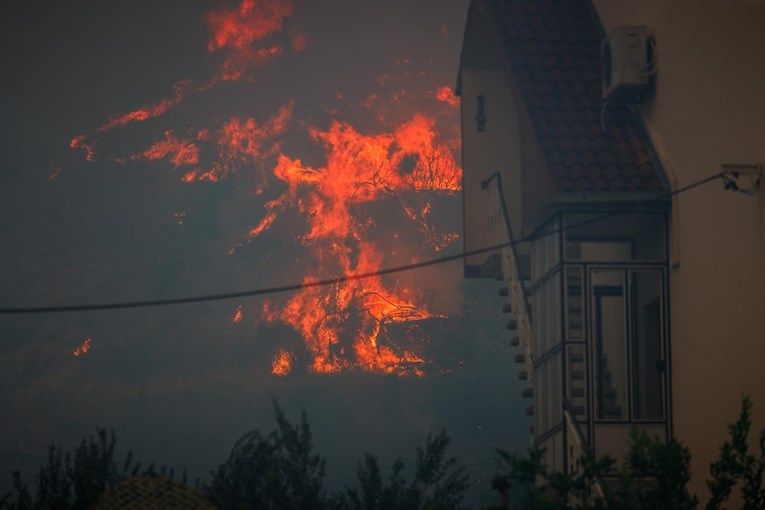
x=180, y=384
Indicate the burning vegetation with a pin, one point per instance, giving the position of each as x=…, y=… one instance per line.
x=344, y=199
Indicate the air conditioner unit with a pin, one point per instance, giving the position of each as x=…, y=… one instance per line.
x=627, y=62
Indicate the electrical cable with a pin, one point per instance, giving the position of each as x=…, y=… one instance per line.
x=345, y=278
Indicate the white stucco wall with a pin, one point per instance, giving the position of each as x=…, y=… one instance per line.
x=496, y=148
x=709, y=109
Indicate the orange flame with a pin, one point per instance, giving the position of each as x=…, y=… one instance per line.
x=236, y=30
x=79, y=142
x=148, y=111
x=178, y=152
x=347, y=325
x=281, y=365
x=359, y=168
x=446, y=95
x=82, y=349
x=236, y=64
x=241, y=141
x=252, y=21
x=233, y=31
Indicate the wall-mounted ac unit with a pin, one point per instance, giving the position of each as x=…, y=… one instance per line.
x=627, y=61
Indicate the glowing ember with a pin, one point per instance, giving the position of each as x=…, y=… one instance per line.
x=79, y=142
x=82, y=349
x=238, y=315
x=446, y=95
x=281, y=365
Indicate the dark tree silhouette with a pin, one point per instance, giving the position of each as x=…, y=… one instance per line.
x=274, y=471
x=439, y=482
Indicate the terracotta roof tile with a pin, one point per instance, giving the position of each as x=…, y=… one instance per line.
x=553, y=47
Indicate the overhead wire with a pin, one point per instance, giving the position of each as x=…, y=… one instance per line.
x=639, y=205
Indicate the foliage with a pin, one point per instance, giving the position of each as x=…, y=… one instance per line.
x=735, y=466
x=280, y=470
x=542, y=490
x=439, y=482
x=67, y=481
x=274, y=471
x=654, y=475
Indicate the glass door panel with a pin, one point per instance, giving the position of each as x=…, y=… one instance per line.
x=609, y=330
x=647, y=356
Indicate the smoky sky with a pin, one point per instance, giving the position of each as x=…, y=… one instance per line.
x=180, y=384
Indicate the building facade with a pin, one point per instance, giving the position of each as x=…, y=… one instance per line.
x=636, y=280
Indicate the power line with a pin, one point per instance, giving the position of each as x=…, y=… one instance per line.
x=345, y=278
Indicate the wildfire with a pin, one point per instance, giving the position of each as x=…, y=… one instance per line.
x=281, y=365
x=234, y=32
x=359, y=169
x=355, y=324
x=82, y=349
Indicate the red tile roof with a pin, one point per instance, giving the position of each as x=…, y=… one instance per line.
x=553, y=47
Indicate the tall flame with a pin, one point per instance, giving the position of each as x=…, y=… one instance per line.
x=359, y=169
